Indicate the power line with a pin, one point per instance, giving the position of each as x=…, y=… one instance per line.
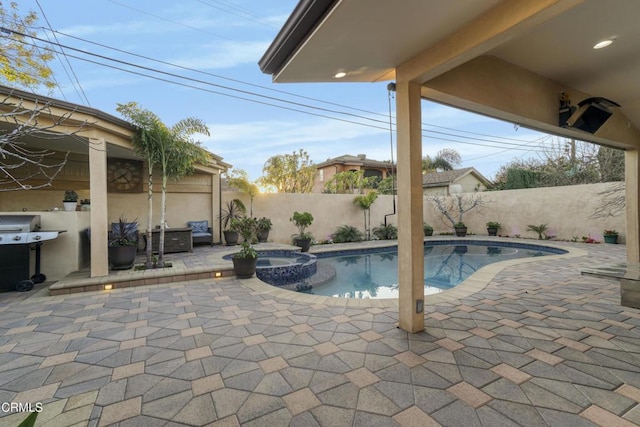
x=528, y=148
x=244, y=15
x=288, y=93
x=84, y=95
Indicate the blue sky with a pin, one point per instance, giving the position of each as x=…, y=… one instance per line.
x=224, y=39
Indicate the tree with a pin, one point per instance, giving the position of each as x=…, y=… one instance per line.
x=22, y=63
x=22, y=167
x=612, y=202
x=563, y=162
x=610, y=164
x=170, y=148
x=349, y=182
x=289, y=173
x=239, y=179
x=364, y=202
x=444, y=160
x=456, y=206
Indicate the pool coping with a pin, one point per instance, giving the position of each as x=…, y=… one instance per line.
x=474, y=283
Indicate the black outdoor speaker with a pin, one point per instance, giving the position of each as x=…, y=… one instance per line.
x=591, y=114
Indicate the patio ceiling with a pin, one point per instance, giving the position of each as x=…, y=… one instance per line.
x=553, y=39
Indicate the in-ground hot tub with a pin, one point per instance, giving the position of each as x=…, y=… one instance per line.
x=284, y=267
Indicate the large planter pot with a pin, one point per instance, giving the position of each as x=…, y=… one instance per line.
x=70, y=206
x=231, y=237
x=263, y=236
x=611, y=239
x=304, y=244
x=122, y=257
x=461, y=232
x=492, y=231
x=244, y=267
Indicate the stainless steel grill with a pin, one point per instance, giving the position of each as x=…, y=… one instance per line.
x=18, y=235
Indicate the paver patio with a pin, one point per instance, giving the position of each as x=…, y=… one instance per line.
x=540, y=345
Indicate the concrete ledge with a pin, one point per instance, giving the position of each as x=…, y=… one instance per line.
x=628, y=275
x=80, y=282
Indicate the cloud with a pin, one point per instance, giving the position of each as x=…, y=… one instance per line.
x=225, y=54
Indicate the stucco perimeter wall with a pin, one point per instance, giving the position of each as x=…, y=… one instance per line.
x=566, y=210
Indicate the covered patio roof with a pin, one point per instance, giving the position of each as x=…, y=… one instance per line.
x=511, y=60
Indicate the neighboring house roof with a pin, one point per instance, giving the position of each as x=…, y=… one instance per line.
x=94, y=117
x=439, y=179
x=359, y=160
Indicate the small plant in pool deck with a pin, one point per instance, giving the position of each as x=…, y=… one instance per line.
x=246, y=252
x=302, y=220
x=540, y=229
x=247, y=227
x=427, y=229
x=347, y=233
x=610, y=233
x=264, y=224
x=386, y=232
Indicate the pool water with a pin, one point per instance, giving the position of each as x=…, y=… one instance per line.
x=375, y=275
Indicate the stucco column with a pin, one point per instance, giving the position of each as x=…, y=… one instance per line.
x=632, y=204
x=99, y=225
x=410, y=207
x=215, y=206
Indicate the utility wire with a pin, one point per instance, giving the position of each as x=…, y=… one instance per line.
x=272, y=89
x=84, y=95
x=242, y=15
x=528, y=147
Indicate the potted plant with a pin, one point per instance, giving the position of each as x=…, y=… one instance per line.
x=461, y=229
x=123, y=244
x=85, y=204
x=610, y=236
x=70, y=200
x=247, y=227
x=264, y=226
x=244, y=262
x=302, y=220
x=428, y=230
x=493, y=227
x=235, y=209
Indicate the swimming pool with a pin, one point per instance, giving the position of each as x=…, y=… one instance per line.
x=373, y=273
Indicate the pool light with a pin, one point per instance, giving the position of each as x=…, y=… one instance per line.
x=218, y=274
x=108, y=287
x=339, y=75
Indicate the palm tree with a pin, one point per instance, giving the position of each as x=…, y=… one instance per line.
x=172, y=149
x=444, y=160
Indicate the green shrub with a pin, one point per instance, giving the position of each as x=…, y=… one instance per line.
x=386, y=232
x=347, y=233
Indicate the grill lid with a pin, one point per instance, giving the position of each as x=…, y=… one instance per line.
x=19, y=223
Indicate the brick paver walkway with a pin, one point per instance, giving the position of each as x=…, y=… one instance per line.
x=540, y=345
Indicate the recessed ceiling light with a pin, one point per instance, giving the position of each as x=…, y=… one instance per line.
x=603, y=43
x=339, y=75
